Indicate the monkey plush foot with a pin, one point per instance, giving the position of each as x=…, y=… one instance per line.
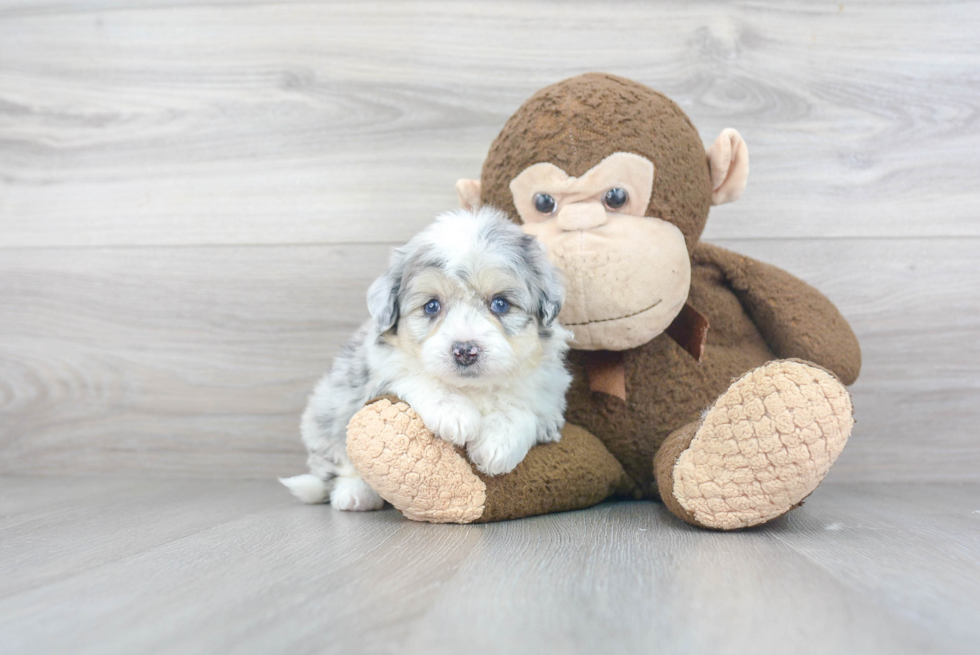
x=424, y=477
x=764, y=446
x=427, y=479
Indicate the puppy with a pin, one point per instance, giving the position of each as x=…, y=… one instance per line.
x=463, y=329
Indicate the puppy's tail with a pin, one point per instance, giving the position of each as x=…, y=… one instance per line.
x=308, y=488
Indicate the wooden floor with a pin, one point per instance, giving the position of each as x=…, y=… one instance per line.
x=150, y=566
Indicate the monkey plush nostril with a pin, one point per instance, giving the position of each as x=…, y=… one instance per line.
x=465, y=352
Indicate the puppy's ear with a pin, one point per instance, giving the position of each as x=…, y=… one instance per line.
x=550, y=289
x=382, y=295
x=552, y=300
x=382, y=300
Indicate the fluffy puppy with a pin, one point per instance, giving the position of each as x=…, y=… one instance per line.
x=463, y=329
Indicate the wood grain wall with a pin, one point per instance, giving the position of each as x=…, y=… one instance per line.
x=195, y=196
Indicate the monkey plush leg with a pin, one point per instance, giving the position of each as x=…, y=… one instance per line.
x=762, y=448
x=427, y=479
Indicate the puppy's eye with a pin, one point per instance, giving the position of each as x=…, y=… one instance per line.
x=499, y=305
x=544, y=203
x=615, y=198
x=432, y=307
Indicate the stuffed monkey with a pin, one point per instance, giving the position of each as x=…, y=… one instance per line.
x=701, y=377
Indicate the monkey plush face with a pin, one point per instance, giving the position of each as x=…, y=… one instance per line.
x=625, y=295
x=613, y=178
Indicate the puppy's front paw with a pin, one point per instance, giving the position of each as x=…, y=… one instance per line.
x=501, y=446
x=549, y=430
x=451, y=418
x=459, y=424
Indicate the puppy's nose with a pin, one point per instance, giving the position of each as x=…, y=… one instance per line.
x=465, y=352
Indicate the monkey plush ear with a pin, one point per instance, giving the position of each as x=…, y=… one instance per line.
x=468, y=192
x=728, y=160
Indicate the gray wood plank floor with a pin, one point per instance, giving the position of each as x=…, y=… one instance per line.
x=154, y=566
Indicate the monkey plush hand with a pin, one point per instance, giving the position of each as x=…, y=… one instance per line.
x=701, y=377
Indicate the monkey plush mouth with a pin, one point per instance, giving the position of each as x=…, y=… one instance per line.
x=617, y=318
x=625, y=280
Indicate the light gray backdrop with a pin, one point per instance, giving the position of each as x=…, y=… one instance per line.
x=195, y=196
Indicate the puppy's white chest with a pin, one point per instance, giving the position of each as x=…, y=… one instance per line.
x=493, y=402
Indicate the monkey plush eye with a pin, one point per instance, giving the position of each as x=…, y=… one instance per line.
x=432, y=307
x=499, y=305
x=615, y=198
x=544, y=203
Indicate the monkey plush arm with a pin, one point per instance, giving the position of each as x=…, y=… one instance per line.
x=796, y=320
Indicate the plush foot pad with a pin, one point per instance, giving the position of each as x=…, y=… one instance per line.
x=424, y=477
x=764, y=446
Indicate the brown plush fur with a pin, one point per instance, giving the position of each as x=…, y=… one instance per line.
x=579, y=122
x=757, y=313
x=663, y=467
x=666, y=388
x=573, y=473
x=417, y=473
